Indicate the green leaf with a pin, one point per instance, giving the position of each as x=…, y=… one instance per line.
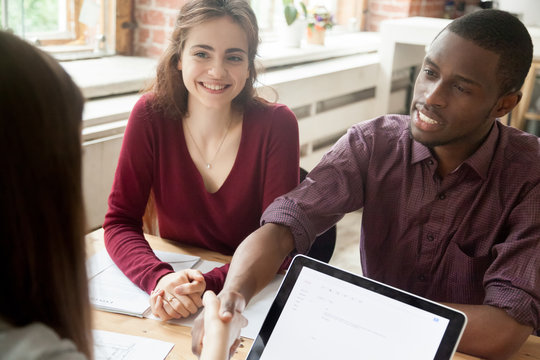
x=290, y=14
x=304, y=9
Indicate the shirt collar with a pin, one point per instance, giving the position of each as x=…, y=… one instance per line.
x=419, y=152
x=479, y=161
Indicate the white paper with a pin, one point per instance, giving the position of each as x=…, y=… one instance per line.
x=206, y=265
x=113, y=346
x=111, y=290
x=98, y=263
x=259, y=306
x=89, y=14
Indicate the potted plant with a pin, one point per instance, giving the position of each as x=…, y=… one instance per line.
x=295, y=17
x=319, y=20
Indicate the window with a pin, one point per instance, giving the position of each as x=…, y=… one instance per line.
x=67, y=28
x=347, y=14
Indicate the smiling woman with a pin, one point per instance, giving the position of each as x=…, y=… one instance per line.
x=201, y=151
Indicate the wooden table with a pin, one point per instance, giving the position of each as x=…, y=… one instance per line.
x=180, y=335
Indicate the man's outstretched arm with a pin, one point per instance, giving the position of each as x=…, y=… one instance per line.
x=491, y=333
x=254, y=264
x=257, y=260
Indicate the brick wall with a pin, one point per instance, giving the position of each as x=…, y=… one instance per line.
x=379, y=10
x=155, y=19
x=155, y=22
x=429, y=8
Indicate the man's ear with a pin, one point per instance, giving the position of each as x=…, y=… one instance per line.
x=506, y=103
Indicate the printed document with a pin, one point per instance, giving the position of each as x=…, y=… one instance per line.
x=111, y=290
x=113, y=346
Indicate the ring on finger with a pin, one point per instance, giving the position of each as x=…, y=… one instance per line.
x=170, y=299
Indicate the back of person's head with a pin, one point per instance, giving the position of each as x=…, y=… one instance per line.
x=42, y=272
x=504, y=34
x=169, y=90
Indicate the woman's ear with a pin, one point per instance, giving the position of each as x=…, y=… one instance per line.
x=506, y=103
x=179, y=65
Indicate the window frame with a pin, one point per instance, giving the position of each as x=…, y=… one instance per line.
x=357, y=8
x=70, y=38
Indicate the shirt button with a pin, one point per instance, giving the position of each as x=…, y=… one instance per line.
x=421, y=278
x=430, y=237
x=430, y=162
x=442, y=196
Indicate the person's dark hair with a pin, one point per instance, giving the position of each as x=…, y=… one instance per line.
x=169, y=91
x=42, y=272
x=505, y=35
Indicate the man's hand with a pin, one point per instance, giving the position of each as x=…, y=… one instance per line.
x=253, y=266
x=171, y=301
x=231, y=305
x=220, y=338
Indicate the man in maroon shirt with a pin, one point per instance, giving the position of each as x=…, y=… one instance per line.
x=450, y=196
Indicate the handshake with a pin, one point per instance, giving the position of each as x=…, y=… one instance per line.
x=216, y=331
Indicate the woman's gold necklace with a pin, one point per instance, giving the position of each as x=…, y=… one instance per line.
x=209, y=163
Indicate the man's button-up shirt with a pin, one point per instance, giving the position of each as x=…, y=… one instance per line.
x=472, y=237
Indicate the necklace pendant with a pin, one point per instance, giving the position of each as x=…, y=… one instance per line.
x=208, y=166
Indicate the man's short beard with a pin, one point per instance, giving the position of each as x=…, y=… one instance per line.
x=428, y=144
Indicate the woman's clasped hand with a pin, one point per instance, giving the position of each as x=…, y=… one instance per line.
x=178, y=294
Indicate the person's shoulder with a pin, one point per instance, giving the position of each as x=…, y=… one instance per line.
x=36, y=341
x=145, y=104
x=274, y=111
x=147, y=113
x=390, y=125
x=520, y=146
x=270, y=117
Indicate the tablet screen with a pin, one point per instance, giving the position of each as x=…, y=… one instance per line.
x=326, y=317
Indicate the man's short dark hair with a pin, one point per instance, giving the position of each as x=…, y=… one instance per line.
x=505, y=35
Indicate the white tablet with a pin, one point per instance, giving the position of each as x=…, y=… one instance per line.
x=322, y=312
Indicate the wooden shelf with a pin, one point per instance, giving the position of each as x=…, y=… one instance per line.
x=519, y=114
x=532, y=116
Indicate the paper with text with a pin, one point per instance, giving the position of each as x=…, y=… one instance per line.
x=114, y=346
x=111, y=290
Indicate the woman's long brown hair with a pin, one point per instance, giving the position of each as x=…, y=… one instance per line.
x=42, y=271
